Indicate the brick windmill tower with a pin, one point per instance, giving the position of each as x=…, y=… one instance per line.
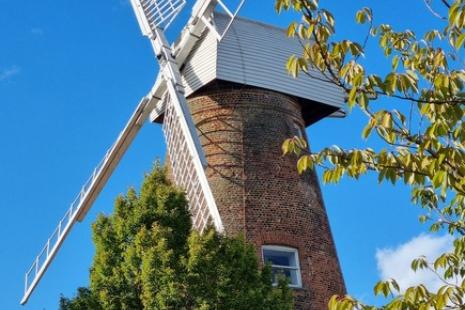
x=226, y=104
x=244, y=105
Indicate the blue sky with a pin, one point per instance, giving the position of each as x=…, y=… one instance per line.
x=71, y=73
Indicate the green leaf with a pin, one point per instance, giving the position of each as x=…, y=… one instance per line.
x=395, y=62
x=363, y=15
x=459, y=41
x=304, y=163
x=395, y=285
x=363, y=100
x=287, y=146
x=438, y=178
x=293, y=66
x=379, y=288
x=368, y=128
x=351, y=100
x=291, y=29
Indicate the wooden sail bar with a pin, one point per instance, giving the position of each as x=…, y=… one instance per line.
x=86, y=197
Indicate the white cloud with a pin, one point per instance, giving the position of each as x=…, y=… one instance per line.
x=7, y=73
x=395, y=262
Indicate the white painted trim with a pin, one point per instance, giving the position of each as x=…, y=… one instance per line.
x=285, y=249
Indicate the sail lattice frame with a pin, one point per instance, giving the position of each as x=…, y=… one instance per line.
x=159, y=13
x=182, y=168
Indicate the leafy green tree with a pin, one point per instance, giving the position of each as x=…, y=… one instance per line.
x=148, y=257
x=85, y=299
x=423, y=134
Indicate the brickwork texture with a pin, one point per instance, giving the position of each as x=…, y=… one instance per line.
x=258, y=191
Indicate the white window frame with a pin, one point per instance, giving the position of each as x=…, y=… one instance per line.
x=285, y=249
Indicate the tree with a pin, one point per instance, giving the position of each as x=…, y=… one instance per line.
x=423, y=135
x=148, y=257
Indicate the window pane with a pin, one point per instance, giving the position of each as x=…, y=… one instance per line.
x=290, y=274
x=281, y=258
x=284, y=262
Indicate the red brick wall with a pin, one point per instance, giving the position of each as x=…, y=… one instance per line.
x=258, y=191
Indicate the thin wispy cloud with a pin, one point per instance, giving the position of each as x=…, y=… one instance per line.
x=8, y=73
x=394, y=263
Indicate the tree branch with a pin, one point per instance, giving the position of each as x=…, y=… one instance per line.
x=446, y=3
x=430, y=8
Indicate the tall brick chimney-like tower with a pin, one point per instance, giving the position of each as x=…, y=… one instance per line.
x=244, y=105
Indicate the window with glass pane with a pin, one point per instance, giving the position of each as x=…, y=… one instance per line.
x=283, y=261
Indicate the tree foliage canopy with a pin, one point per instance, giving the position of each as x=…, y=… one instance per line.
x=423, y=130
x=148, y=257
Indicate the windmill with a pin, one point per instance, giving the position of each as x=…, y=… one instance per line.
x=223, y=96
x=186, y=155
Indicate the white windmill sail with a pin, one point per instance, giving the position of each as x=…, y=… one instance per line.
x=184, y=149
x=167, y=97
x=185, y=152
x=89, y=192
